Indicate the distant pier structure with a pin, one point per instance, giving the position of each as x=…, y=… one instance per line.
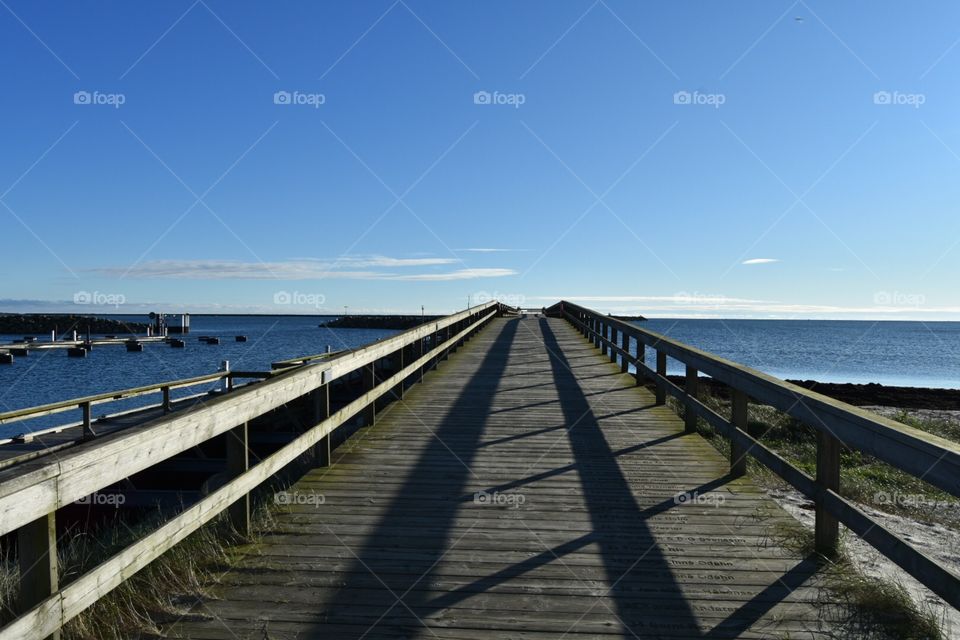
x=162, y=326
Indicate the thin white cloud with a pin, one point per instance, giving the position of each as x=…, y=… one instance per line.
x=485, y=250
x=461, y=274
x=347, y=268
x=760, y=261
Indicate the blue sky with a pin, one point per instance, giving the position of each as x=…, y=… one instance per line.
x=750, y=159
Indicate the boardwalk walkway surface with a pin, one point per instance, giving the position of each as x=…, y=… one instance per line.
x=527, y=489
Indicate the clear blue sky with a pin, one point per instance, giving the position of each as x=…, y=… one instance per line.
x=674, y=159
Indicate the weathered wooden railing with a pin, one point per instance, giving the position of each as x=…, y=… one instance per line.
x=925, y=456
x=296, y=362
x=86, y=403
x=30, y=494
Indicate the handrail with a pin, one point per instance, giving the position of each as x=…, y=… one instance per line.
x=29, y=497
x=925, y=456
x=296, y=362
x=108, y=396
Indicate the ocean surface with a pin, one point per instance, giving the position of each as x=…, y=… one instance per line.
x=920, y=354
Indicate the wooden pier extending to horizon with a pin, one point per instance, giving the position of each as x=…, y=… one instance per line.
x=489, y=474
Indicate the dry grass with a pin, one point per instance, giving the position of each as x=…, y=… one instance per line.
x=162, y=592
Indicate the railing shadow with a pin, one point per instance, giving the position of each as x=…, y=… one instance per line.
x=629, y=570
x=428, y=503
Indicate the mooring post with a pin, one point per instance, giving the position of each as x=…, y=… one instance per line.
x=369, y=382
x=238, y=461
x=39, y=571
x=166, y=400
x=661, y=377
x=87, y=411
x=689, y=416
x=738, y=418
x=321, y=411
x=827, y=528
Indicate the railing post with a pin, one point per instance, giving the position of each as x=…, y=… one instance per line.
x=596, y=332
x=369, y=382
x=603, y=338
x=827, y=528
x=420, y=351
x=86, y=409
x=738, y=418
x=613, y=344
x=397, y=368
x=167, y=407
x=641, y=359
x=661, y=375
x=39, y=572
x=625, y=345
x=238, y=461
x=689, y=417
x=321, y=411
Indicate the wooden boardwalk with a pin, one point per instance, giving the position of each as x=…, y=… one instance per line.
x=528, y=489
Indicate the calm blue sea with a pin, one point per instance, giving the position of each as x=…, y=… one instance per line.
x=909, y=354
x=892, y=353
x=50, y=376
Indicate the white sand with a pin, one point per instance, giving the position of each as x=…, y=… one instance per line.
x=937, y=541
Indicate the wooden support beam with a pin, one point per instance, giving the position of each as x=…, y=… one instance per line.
x=738, y=418
x=420, y=352
x=238, y=462
x=166, y=399
x=827, y=527
x=39, y=571
x=625, y=345
x=398, y=366
x=689, y=417
x=641, y=358
x=369, y=382
x=321, y=411
x=661, y=375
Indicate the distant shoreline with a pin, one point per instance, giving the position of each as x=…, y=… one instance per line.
x=864, y=395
